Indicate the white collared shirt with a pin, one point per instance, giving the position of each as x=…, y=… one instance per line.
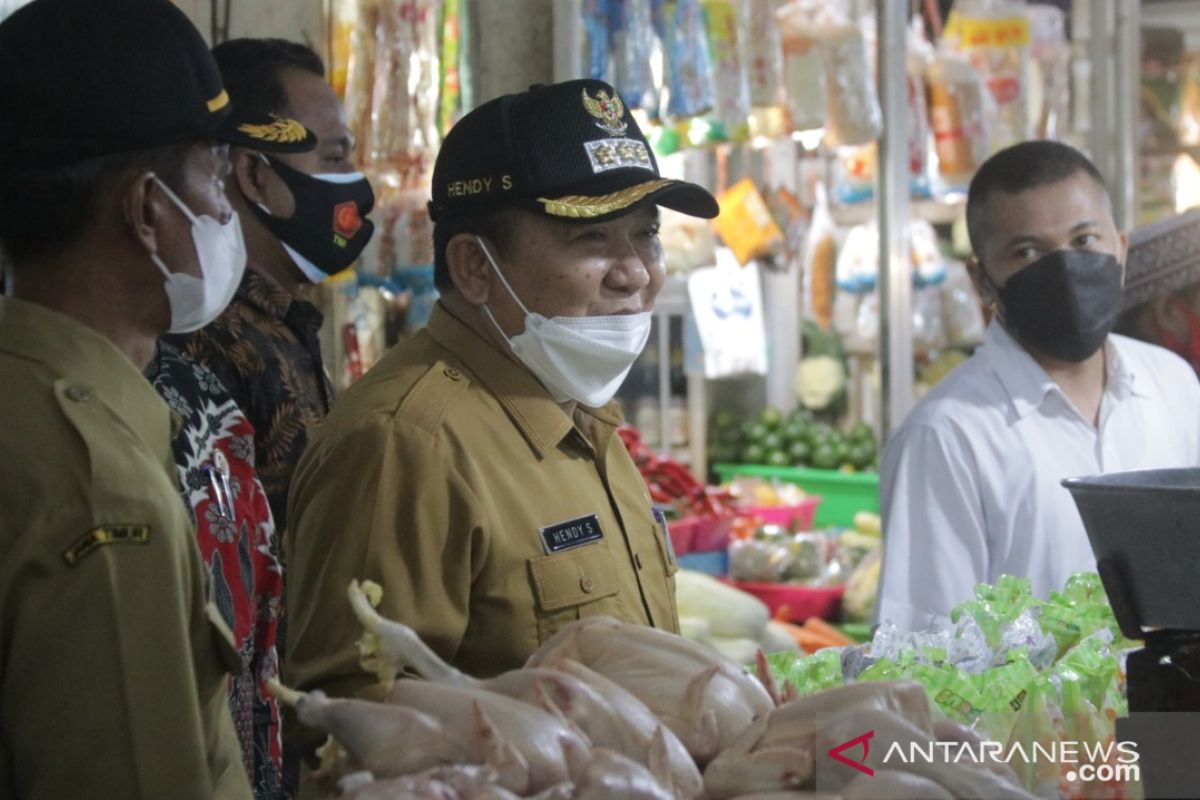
x=970, y=483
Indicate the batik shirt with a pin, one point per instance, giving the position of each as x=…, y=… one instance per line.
x=214, y=456
x=265, y=350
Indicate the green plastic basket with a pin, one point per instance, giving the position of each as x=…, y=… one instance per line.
x=843, y=494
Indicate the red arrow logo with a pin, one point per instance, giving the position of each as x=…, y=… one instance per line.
x=860, y=765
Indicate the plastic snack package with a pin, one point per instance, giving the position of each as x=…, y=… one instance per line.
x=762, y=49
x=994, y=36
x=858, y=261
x=689, y=66
x=730, y=85
x=745, y=223
x=803, y=69
x=822, y=670
x=853, y=115
x=1050, y=71
x=596, y=43
x=634, y=44
x=854, y=174
x=957, y=116
x=360, y=75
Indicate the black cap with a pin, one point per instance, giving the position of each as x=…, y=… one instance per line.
x=84, y=78
x=569, y=150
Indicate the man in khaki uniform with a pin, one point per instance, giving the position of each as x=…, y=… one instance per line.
x=113, y=662
x=475, y=472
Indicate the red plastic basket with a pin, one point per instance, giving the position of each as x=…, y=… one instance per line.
x=798, y=517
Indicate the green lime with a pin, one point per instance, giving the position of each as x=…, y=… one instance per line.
x=825, y=457
x=771, y=417
x=800, y=453
x=842, y=451
x=861, y=456
x=795, y=432
x=757, y=433
x=801, y=414
x=778, y=458
x=754, y=454
x=862, y=433
x=772, y=441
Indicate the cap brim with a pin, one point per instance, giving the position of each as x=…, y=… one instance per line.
x=681, y=196
x=268, y=133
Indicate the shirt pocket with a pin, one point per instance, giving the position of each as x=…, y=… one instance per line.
x=570, y=585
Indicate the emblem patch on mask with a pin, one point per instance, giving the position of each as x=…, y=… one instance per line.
x=607, y=111
x=606, y=154
x=570, y=534
x=346, y=221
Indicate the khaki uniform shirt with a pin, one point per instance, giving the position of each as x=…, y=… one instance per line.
x=452, y=478
x=113, y=666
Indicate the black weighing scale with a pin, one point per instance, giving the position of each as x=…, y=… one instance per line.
x=1144, y=528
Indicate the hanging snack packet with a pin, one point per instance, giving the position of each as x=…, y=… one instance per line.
x=689, y=67
x=956, y=112
x=634, y=42
x=820, y=262
x=994, y=36
x=1050, y=72
x=852, y=108
x=732, y=92
x=762, y=52
x=745, y=224
x=858, y=262
x=803, y=71
x=595, y=39
x=360, y=76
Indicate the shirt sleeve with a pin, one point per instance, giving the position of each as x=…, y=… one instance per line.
x=113, y=678
x=935, y=541
x=382, y=501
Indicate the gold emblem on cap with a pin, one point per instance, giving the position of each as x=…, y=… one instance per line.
x=578, y=206
x=281, y=130
x=607, y=111
x=218, y=102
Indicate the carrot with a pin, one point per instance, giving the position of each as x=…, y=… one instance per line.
x=820, y=626
x=811, y=642
x=782, y=613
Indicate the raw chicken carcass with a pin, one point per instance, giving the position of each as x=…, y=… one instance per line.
x=459, y=782
x=779, y=751
x=705, y=698
x=606, y=775
x=607, y=714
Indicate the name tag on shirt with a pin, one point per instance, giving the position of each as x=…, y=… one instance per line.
x=572, y=533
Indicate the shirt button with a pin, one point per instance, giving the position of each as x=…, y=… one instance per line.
x=587, y=584
x=452, y=373
x=78, y=392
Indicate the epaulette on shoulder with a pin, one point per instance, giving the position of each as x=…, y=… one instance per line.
x=431, y=396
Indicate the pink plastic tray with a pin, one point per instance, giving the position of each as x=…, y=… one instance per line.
x=802, y=601
x=798, y=516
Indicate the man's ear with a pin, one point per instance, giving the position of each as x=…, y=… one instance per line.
x=469, y=268
x=143, y=206
x=983, y=286
x=249, y=174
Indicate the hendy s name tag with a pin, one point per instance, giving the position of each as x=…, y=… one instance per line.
x=572, y=533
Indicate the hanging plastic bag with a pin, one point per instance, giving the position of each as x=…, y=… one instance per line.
x=405, y=102
x=360, y=76
x=634, y=42
x=820, y=262
x=762, y=52
x=858, y=261
x=1050, y=72
x=727, y=306
x=745, y=223
x=803, y=71
x=994, y=36
x=956, y=111
x=731, y=90
x=595, y=39
x=852, y=112
x=689, y=66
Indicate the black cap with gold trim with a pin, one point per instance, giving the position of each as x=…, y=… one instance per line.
x=569, y=150
x=85, y=78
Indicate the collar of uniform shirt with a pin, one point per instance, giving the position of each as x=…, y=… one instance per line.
x=1028, y=384
x=541, y=421
x=83, y=357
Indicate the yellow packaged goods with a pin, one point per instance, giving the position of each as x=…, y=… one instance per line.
x=745, y=224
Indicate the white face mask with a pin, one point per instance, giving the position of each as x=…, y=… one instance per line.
x=195, y=302
x=576, y=358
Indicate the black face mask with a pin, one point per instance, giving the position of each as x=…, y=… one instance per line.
x=329, y=228
x=1065, y=303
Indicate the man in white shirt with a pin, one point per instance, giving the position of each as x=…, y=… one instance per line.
x=970, y=483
